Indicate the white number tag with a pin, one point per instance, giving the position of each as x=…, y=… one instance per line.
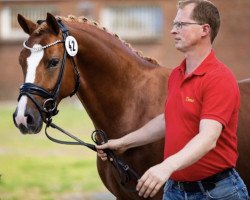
x=71, y=45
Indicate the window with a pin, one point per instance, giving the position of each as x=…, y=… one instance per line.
x=134, y=23
x=9, y=27
x=86, y=9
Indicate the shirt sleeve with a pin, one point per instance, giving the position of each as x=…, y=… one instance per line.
x=220, y=97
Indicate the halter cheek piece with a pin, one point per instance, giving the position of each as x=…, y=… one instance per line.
x=49, y=109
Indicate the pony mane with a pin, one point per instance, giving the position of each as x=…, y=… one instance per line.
x=82, y=19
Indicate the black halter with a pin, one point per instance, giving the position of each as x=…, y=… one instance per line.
x=49, y=109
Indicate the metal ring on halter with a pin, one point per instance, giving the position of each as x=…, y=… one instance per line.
x=99, y=137
x=47, y=107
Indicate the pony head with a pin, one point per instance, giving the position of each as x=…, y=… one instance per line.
x=46, y=63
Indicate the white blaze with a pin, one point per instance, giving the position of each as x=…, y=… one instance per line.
x=32, y=63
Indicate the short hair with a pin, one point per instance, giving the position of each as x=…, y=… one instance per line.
x=205, y=12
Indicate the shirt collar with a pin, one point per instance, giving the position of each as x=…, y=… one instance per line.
x=206, y=65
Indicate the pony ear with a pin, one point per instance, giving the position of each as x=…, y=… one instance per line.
x=52, y=23
x=27, y=25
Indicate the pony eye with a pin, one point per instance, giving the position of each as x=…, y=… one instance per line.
x=53, y=63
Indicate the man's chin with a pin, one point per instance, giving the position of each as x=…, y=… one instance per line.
x=180, y=48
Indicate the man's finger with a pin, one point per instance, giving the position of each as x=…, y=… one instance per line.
x=149, y=189
x=102, y=146
x=156, y=189
x=144, y=187
x=141, y=181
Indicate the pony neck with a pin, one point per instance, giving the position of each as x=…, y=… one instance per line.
x=104, y=48
x=111, y=73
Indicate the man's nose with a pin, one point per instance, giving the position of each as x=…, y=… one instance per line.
x=174, y=30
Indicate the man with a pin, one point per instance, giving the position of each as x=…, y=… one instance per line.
x=200, y=119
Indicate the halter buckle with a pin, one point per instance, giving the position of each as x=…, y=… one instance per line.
x=49, y=105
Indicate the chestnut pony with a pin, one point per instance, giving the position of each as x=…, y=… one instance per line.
x=120, y=90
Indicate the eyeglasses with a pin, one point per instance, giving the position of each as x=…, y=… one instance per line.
x=179, y=25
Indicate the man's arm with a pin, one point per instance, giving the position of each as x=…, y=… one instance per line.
x=199, y=146
x=152, y=131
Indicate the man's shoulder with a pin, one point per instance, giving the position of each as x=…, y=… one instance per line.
x=220, y=76
x=220, y=70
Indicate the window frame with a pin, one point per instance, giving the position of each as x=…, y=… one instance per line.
x=9, y=28
x=135, y=27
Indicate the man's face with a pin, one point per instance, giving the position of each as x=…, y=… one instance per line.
x=187, y=32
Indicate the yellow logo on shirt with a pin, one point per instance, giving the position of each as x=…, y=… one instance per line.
x=189, y=99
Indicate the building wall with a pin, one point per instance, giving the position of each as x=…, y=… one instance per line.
x=232, y=45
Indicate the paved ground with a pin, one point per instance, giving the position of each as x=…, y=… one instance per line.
x=103, y=196
x=94, y=196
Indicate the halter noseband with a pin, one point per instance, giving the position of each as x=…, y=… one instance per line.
x=49, y=107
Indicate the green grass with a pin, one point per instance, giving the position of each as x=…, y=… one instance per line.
x=33, y=167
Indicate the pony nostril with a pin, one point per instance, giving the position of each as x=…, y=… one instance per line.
x=30, y=119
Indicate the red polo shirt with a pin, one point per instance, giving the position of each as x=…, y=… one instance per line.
x=210, y=92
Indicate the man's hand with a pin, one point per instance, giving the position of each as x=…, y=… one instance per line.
x=153, y=179
x=116, y=145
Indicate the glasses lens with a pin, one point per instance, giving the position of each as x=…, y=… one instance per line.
x=177, y=25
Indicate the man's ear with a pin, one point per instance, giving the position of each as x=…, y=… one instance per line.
x=27, y=25
x=52, y=23
x=206, y=29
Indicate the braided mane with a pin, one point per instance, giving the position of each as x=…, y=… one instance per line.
x=83, y=19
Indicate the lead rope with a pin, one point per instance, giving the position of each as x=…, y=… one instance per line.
x=126, y=174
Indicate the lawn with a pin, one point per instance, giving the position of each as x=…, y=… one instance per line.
x=34, y=168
